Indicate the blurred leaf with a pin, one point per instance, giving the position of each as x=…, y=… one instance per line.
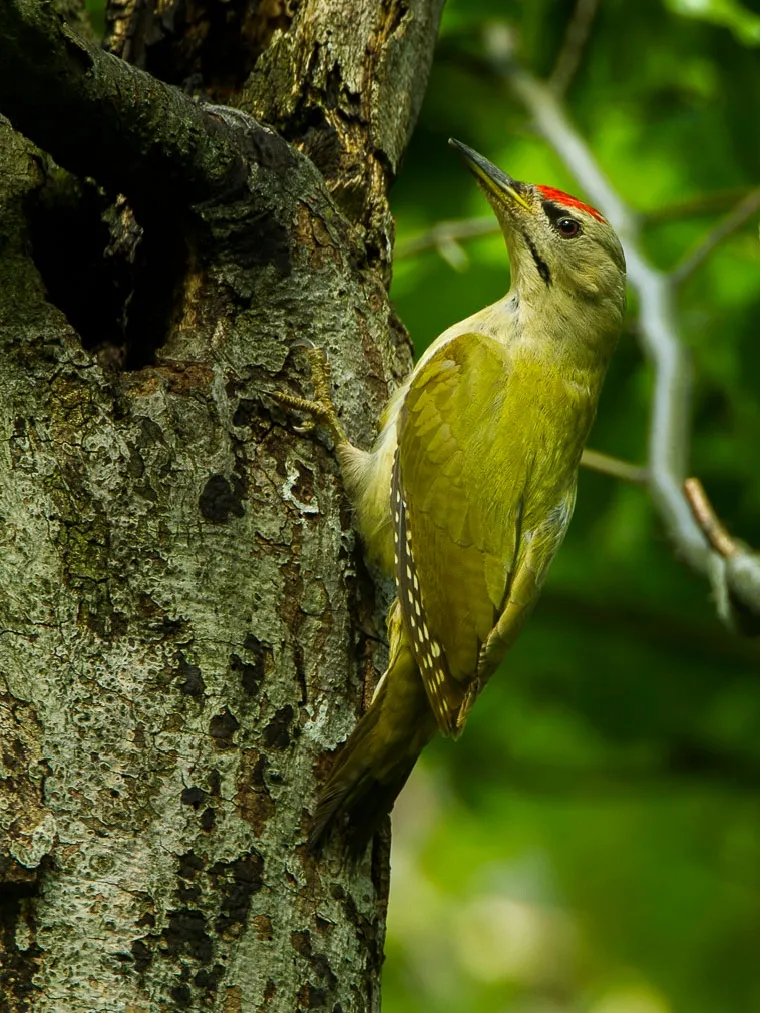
x=730, y=13
x=96, y=10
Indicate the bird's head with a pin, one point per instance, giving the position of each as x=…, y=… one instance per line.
x=563, y=253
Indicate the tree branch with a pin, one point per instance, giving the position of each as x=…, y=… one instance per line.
x=702, y=204
x=576, y=37
x=747, y=206
x=737, y=582
x=446, y=234
x=705, y=516
x=100, y=117
x=605, y=464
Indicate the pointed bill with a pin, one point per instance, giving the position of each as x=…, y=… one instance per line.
x=489, y=175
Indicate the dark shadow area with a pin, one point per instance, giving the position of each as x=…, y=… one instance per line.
x=113, y=280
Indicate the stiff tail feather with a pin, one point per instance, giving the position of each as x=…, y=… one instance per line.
x=378, y=757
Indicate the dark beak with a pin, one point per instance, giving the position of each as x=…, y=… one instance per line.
x=490, y=177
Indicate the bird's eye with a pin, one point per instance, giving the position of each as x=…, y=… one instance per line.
x=568, y=227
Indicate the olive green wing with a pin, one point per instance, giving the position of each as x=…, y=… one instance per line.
x=537, y=551
x=457, y=495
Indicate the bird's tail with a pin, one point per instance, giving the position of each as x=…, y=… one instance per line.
x=378, y=757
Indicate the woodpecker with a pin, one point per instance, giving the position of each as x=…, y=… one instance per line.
x=467, y=492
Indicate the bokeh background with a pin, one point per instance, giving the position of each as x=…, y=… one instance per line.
x=592, y=843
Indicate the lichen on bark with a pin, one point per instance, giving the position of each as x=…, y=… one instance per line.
x=186, y=624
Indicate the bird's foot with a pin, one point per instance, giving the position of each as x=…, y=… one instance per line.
x=321, y=410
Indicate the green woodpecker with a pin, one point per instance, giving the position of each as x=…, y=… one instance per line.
x=466, y=495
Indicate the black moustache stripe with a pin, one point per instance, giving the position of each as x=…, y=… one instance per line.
x=541, y=265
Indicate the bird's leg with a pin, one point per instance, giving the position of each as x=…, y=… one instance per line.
x=321, y=410
x=355, y=466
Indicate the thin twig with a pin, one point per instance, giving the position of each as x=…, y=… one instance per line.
x=595, y=460
x=445, y=233
x=701, y=204
x=745, y=209
x=576, y=37
x=707, y=519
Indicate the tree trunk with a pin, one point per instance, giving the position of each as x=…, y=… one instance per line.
x=187, y=630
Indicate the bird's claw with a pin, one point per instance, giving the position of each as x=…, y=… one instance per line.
x=321, y=410
x=305, y=428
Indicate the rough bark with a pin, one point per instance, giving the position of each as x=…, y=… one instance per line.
x=186, y=626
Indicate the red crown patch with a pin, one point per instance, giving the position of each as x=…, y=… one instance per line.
x=560, y=197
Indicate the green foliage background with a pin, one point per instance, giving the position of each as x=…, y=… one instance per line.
x=592, y=843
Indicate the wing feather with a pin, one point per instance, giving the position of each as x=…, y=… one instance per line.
x=454, y=550
x=483, y=489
